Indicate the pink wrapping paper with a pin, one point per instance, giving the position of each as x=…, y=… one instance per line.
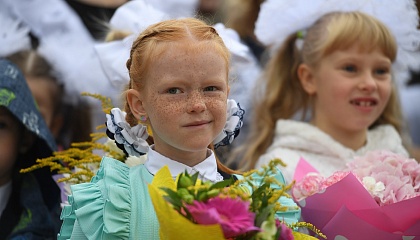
x=345, y=210
x=303, y=168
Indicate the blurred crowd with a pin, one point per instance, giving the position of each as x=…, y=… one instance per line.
x=66, y=47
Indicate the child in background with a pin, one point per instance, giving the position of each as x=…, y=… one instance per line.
x=28, y=202
x=341, y=78
x=179, y=87
x=241, y=15
x=62, y=118
x=44, y=87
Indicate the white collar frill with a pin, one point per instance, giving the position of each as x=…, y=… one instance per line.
x=207, y=169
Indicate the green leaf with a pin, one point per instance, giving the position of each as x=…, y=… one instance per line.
x=194, y=178
x=222, y=184
x=173, y=198
x=263, y=215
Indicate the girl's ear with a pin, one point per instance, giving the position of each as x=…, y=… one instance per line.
x=306, y=78
x=135, y=102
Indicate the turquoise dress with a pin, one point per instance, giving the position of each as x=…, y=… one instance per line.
x=116, y=205
x=115, y=201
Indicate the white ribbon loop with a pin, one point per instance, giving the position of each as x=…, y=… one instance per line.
x=132, y=138
x=233, y=124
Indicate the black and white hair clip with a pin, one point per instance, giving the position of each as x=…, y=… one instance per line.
x=132, y=140
x=233, y=124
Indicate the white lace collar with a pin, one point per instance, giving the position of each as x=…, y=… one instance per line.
x=207, y=169
x=5, y=191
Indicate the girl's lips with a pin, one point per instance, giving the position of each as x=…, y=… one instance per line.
x=197, y=123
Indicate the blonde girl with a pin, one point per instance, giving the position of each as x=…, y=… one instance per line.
x=340, y=78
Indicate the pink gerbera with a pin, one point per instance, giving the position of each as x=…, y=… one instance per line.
x=285, y=232
x=233, y=215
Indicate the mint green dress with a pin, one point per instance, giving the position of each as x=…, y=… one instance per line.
x=116, y=205
x=113, y=203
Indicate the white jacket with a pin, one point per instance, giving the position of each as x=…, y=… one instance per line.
x=295, y=139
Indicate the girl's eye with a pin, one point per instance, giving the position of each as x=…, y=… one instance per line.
x=174, y=91
x=382, y=71
x=210, y=89
x=349, y=68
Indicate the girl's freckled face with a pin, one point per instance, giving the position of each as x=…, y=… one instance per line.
x=185, y=97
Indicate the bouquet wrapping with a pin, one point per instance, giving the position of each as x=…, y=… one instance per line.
x=376, y=198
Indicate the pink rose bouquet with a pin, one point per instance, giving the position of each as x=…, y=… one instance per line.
x=376, y=197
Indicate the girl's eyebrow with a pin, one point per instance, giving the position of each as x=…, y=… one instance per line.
x=384, y=61
x=173, y=81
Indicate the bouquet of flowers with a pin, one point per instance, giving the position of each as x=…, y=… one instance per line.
x=378, y=196
x=231, y=209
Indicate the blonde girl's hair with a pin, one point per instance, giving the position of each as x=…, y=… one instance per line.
x=153, y=41
x=284, y=95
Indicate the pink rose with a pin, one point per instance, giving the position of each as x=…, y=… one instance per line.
x=308, y=186
x=337, y=176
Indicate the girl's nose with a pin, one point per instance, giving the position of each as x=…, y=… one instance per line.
x=368, y=82
x=196, y=103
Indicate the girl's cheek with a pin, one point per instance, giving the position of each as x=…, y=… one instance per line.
x=165, y=106
x=216, y=102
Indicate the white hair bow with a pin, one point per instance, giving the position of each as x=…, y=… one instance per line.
x=133, y=139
